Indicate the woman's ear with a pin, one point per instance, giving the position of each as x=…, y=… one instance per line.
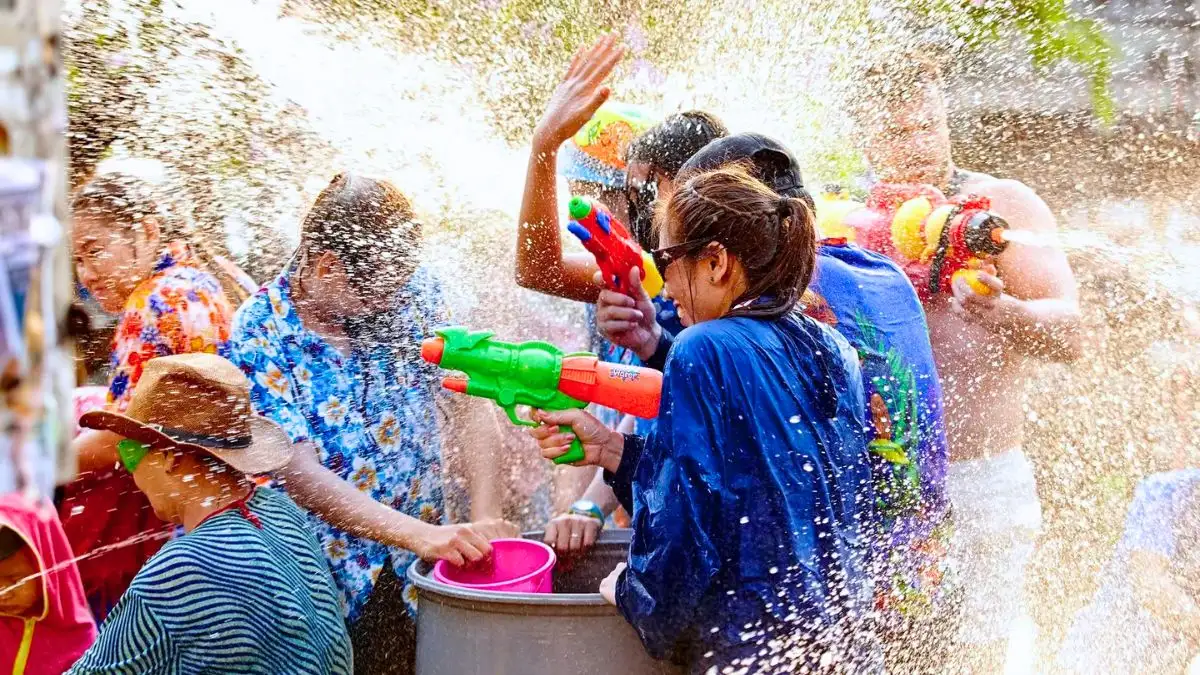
x=720, y=265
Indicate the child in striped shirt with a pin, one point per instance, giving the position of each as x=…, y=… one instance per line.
x=246, y=589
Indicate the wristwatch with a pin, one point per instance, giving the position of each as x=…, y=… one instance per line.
x=586, y=507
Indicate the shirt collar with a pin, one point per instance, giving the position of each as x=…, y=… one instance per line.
x=175, y=253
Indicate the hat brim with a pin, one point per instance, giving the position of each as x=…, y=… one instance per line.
x=270, y=448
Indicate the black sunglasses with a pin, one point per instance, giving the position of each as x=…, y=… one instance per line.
x=663, y=257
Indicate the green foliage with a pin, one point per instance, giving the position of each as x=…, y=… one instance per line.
x=1053, y=31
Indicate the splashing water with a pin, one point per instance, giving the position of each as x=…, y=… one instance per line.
x=429, y=121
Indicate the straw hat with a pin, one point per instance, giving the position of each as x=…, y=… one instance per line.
x=198, y=402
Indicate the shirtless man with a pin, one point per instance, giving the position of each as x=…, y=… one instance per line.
x=981, y=344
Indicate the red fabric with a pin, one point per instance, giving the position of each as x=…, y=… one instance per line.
x=107, y=510
x=240, y=505
x=66, y=629
x=85, y=511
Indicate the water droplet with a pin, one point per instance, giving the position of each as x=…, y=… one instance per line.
x=808, y=466
x=744, y=520
x=794, y=419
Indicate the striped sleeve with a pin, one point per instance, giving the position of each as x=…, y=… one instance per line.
x=132, y=640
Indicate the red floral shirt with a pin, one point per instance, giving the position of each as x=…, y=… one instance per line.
x=180, y=309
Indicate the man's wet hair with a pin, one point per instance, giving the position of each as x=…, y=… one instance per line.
x=666, y=147
x=899, y=67
x=364, y=222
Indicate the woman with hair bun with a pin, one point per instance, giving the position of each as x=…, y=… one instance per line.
x=752, y=499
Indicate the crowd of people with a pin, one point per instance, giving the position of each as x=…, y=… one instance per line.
x=835, y=481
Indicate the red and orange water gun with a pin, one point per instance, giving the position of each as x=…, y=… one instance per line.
x=616, y=251
x=934, y=239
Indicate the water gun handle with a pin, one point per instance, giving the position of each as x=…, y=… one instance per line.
x=575, y=454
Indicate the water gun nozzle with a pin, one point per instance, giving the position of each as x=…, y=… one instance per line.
x=455, y=383
x=432, y=349
x=579, y=208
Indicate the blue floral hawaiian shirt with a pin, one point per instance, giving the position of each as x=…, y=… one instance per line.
x=371, y=414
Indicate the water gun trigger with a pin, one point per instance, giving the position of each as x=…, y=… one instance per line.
x=511, y=411
x=574, y=454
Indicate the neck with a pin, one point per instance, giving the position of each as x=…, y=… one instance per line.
x=219, y=495
x=942, y=182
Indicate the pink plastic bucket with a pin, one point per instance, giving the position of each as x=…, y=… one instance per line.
x=516, y=566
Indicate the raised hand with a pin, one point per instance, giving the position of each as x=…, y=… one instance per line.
x=581, y=92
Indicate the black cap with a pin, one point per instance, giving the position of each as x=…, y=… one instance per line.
x=773, y=163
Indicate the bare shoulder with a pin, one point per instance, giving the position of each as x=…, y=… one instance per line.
x=1018, y=203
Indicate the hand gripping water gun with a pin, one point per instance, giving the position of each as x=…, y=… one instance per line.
x=933, y=238
x=615, y=249
x=540, y=375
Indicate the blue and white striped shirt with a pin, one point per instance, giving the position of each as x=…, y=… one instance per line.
x=230, y=597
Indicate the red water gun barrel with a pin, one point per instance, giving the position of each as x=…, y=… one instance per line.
x=629, y=389
x=614, y=247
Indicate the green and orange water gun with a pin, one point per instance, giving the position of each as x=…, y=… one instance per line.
x=540, y=375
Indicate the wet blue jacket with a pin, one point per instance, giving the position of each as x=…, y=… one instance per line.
x=751, y=500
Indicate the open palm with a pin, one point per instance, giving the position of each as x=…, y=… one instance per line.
x=581, y=92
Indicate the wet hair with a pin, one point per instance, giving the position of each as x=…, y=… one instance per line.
x=665, y=147
x=670, y=143
x=10, y=542
x=887, y=74
x=123, y=198
x=773, y=237
x=364, y=222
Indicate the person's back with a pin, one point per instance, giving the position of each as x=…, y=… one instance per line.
x=236, y=595
x=871, y=303
x=786, y=420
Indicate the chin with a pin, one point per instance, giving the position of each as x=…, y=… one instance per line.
x=109, y=301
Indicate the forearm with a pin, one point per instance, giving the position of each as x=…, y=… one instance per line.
x=95, y=450
x=340, y=504
x=1047, y=328
x=618, y=472
x=475, y=435
x=657, y=358
x=541, y=265
x=599, y=493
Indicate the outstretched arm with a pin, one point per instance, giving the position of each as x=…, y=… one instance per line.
x=1036, y=305
x=541, y=264
x=344, y=506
